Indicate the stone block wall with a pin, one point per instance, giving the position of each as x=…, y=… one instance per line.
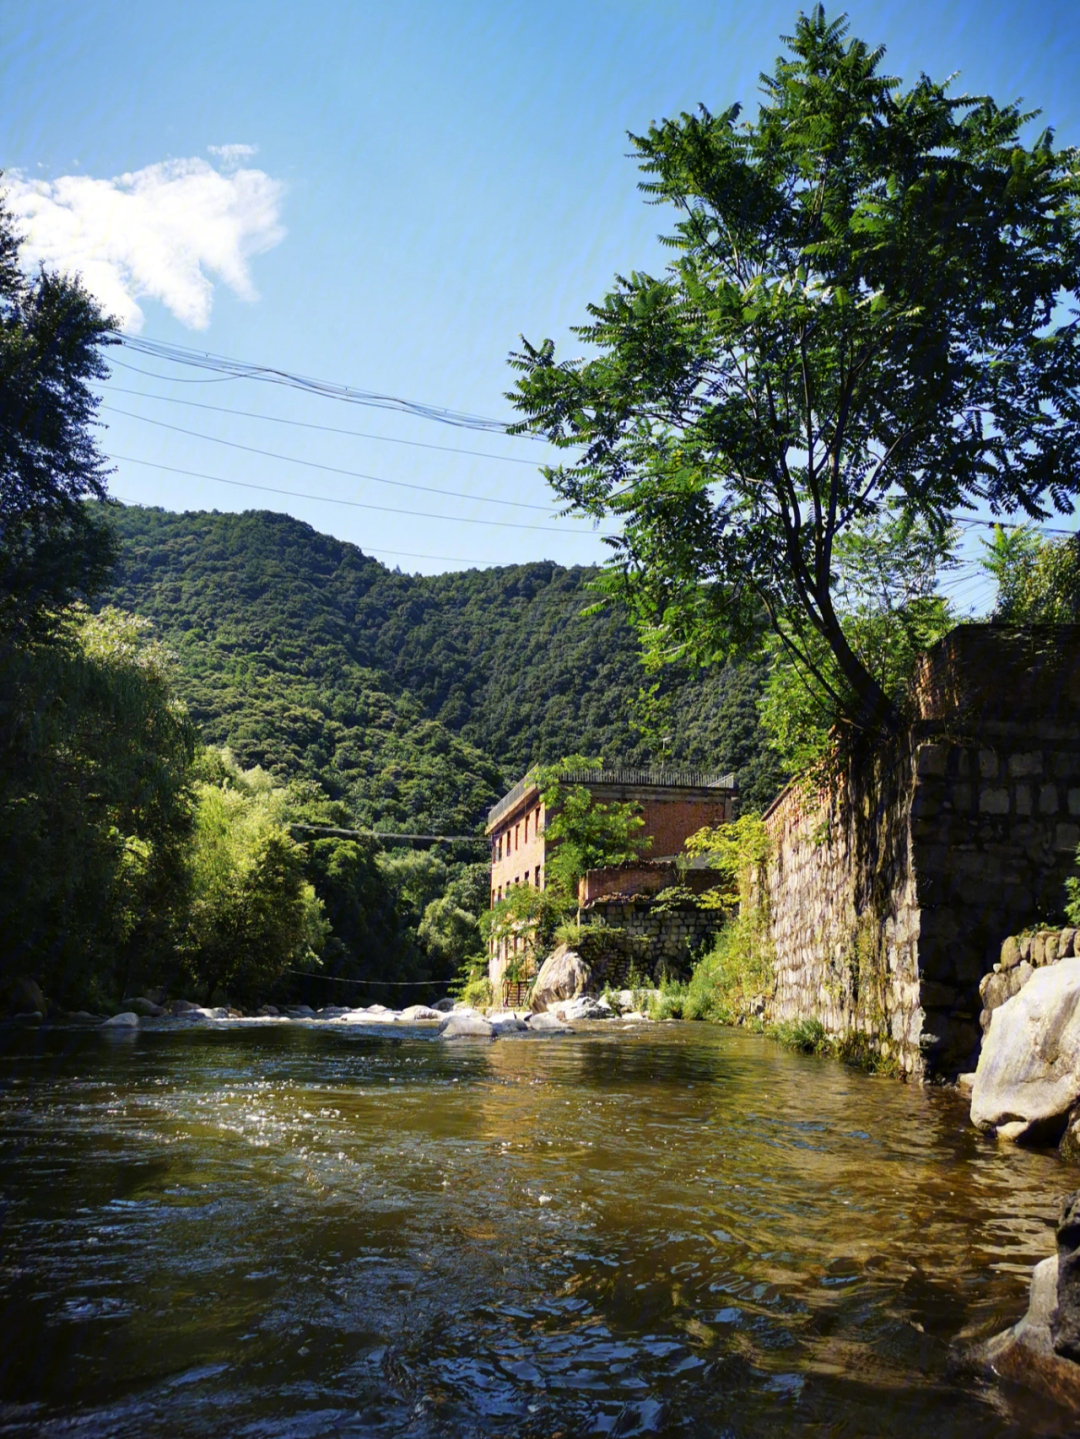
x=660, y=936
x=889, y=900
x=1021, y=956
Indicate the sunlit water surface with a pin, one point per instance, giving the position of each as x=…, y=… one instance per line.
x=676, y=1229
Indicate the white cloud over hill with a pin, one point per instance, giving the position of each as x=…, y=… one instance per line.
x=168, y=232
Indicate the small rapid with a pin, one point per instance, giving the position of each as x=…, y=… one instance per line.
x=666, y=1229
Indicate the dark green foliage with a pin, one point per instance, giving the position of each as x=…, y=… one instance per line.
x=1038, y=580
x=871, y=304
x=415, y=701
x=52, y=548
x=94, y=812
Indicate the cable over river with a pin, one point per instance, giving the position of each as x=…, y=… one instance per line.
x=674, y=1229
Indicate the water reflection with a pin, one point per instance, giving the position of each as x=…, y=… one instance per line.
x=287, y=1231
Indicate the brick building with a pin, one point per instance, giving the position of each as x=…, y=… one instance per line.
x=674, y=804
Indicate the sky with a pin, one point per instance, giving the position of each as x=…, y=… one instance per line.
x=385, y=197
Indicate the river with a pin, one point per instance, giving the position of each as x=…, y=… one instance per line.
x=293, y=1230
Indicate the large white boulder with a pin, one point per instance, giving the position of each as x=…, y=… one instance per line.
x=563, y=975
x=1028, y=1075
x=127, y=1020
x=417, y=1012
x=465, y=1025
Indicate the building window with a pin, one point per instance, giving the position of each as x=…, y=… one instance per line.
x=517, y=836
x=526, y=829
x=537, y=880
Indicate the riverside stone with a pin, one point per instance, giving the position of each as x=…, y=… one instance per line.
x=563, y=975
x=25, y=997
x=1028, y=1075
x=1041, y=1350
x=144, y=1007
x=464, y=1024
x=417, y=1012
x=127, y=1020
x=547, y=1023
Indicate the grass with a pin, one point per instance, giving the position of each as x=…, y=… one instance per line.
x=809, y=1036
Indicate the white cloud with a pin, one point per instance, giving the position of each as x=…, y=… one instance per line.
x=157, y=233
x=233, y=154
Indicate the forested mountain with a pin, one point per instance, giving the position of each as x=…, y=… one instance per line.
x=416, y=699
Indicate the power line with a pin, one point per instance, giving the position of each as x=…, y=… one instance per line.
x=316, y=465
x=389, y=983
x=247, y=370
x=308, y=424
x=333, y=500
x=330, y=831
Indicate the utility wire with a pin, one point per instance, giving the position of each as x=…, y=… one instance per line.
x=327, y=469
x=333, y=500
x=389, y=983
x=246, y=370
x=309, y=425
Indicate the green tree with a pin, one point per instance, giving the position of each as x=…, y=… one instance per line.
x=868, y=306
x=52, y=334
x=251, y=913
x=887, y=572
x=1038, y=580
x=95, y=757
x=581, y=832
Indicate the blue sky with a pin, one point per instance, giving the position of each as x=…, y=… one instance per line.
x=425, y=181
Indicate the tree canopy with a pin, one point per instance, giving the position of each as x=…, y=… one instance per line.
x=871, y=307
x=52, y=334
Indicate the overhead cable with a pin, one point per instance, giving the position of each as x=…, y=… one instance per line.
x=310, y=425
x=271, y=374
x=327, y=469
x=334, y=500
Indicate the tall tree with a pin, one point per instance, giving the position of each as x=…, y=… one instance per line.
x=52, y=333
x=871, y=306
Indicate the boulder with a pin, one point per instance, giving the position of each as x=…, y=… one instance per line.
x=145, y=1008
x=417, y=1012
x=183, y=1006
x=444, y=1006
x=1028, y=1075
x=563, y=975
x=1010, y=953
x=127, y=1020
x=300, y=1011
x=507, y=1024
x=25, y=997
x=547, y=1023
x=268, y=1011
x=584, y=1007
x=465, y=1025
x=1041, y=1351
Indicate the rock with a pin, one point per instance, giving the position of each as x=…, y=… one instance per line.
x=965, y=1083
x=1067, y=946
x=994, y=988
x=377, y=1009
x=300, y=1011
x=331, y=1011
x=563, y=975
x=183, y=1006
x=417, y=1012
x=83, y=1016
x=1051, y=948
x=444, y=1006
x=1035, y=955
x=584, y=1007
x=507, y=1024
x=25, y=997
x=1042, y=1349
x=1025, y=947
x=465, y=1025
x=269, y=1011
x=1010, y=953
x=127, y=1020
x=1028, y=1076
x=547, y=1023
x=146, y=1008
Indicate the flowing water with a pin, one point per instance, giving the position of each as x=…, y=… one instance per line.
x=294, y=1230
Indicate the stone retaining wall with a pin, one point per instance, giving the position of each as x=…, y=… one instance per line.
x=660, y=937
x=1021, y=956
x=888, y=900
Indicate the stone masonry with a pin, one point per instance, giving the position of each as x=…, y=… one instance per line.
x=889, y=899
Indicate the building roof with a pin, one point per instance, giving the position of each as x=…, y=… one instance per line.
x=655, y=778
